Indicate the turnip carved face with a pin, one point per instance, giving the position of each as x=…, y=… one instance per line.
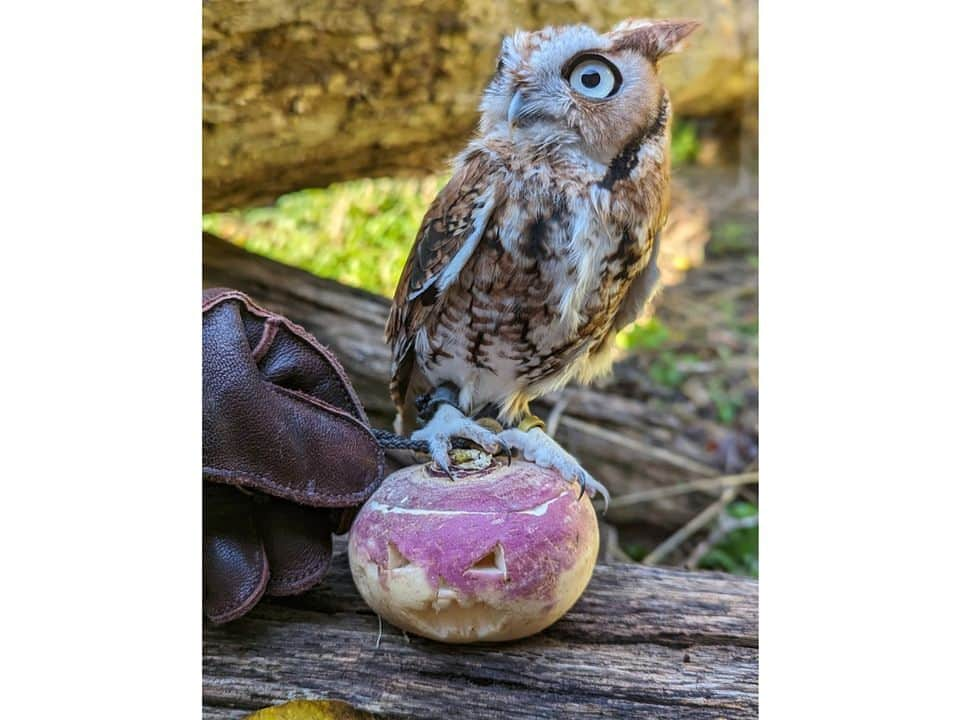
x=499, y=553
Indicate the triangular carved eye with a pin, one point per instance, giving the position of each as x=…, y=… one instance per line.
x=492, y=562
x=395, y=558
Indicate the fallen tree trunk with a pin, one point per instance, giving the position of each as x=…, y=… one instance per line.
x=641, y=642
x=625, y=444
x=302, y=94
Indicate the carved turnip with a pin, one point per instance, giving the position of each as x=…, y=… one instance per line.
x=498, y=553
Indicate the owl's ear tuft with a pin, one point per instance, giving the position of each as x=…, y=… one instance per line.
x=652, y=38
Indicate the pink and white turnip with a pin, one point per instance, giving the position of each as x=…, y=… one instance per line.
x=498, y=553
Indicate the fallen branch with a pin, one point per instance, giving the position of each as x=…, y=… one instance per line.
x=553, y=419
x=698, y=523
x=705, y=484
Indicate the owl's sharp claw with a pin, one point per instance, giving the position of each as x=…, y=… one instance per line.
x=505, y=450
x=587, y=481
x=440, y=447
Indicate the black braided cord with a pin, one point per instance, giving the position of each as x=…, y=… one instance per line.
x=391, y=441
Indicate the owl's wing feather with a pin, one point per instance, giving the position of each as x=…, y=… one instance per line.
x=642, y=289
x=450, y=232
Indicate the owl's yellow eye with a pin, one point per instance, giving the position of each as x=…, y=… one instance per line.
x=594, y=77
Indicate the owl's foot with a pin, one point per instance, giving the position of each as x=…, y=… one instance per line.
x=538, y=447
x=448, y=423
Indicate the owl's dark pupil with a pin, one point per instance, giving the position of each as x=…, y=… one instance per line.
x=591, y=79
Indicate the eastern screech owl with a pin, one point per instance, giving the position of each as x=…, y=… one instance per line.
x=544, y=242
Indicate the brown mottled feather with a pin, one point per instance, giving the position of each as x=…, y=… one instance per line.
x=451, y=219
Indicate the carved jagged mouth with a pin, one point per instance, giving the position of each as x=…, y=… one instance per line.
x=446, y=596
x=457, y=622
x=453, y=617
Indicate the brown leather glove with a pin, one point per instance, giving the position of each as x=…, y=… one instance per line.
x=283, y=426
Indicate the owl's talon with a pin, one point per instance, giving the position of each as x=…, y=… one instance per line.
x=538, y=447
x=447, y=423
x=440, y=447
x=442, y=464
x=505, y=450
x=587, y=482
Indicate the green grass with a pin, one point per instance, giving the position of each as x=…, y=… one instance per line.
x=648, y=334
x=666, y=368
x=729, y=238
x=356, y=232
x=739, y=552
x=685, y=144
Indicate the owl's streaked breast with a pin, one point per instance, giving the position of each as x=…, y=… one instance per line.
x=538, y=296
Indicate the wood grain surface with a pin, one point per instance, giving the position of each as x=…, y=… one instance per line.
x=641, y=642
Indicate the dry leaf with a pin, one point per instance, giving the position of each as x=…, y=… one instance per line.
x=311, y=710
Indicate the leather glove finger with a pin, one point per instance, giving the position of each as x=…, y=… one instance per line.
x=298, y=543
x=235, y=571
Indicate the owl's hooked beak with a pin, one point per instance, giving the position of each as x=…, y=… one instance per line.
x=516, y=107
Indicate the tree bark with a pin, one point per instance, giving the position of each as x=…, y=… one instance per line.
x=623, y=443
x=641, y=642
x=303, y=93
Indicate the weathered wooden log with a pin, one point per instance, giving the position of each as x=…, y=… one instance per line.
x=302, y=93
x=641, y=642
x=626, y=445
